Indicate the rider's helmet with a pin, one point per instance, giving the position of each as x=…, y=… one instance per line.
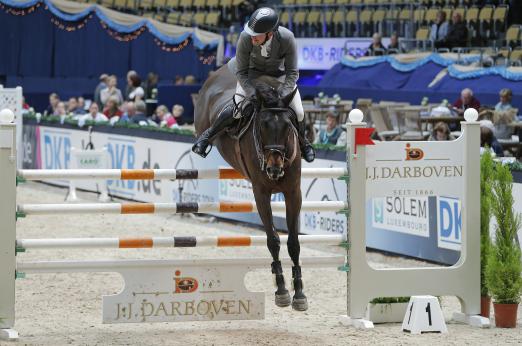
x=262, y=21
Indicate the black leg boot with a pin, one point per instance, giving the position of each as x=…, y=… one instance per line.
x=282, y=297
x=299, y=302
x=307, y=151
x=223, y=121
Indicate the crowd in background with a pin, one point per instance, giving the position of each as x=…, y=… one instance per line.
x=125, y=105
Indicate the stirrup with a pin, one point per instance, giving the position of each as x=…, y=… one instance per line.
x=205, y=153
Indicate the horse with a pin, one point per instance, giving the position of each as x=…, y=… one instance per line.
x=268, y=155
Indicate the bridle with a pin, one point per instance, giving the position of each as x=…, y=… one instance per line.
x=261, y=149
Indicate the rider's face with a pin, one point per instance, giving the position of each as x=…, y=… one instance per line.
x=258, y=40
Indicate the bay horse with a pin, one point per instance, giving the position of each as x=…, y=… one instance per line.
x=268, y=155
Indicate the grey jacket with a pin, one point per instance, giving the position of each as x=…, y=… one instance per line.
x=282, y=61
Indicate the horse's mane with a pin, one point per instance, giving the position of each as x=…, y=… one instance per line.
x=268, y=93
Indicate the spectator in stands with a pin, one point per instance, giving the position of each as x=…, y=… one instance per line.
x=110, y=91
x=177, y=112
x=112, y=108
x=179, y=80
x=94, y=114
x=394, y=44
x=60, y=109
x=505, y=100
x=439, y=29
x=104, y=81
x=441, y=132
x=136, y=92
x=457, y=35
x=466, y=100
x=128, y=88
x=333, y=131
x=54, y=99
x=164, y=118
x=150, y=84
x=72, y=107
x=140, y=116
x=81, y=104
x=129, y=110
x=376, y=48
x=488, y=139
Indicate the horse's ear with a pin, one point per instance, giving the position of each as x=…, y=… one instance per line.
x=288, y=98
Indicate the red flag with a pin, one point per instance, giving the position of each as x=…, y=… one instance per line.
x=362, y=137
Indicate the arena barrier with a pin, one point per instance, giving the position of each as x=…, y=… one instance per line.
x=374, y=171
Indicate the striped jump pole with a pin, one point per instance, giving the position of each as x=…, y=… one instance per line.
x=168, y=242
x=160, y=174
x=173, y=208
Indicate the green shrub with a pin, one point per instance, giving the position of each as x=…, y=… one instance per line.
x=486, y=176
x=504, y=260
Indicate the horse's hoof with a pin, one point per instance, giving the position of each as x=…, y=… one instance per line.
x=283, y=300
x=300, y=304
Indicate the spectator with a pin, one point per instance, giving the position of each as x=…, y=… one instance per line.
x=376, y=48
x=177, y=112
x=129, y=110
x=439, y=29
x=394, y=43
x=111, y=90
x=441, y=132
x=190, y=80
x=505, y=100
x=112, y=108
x=94, y=114
x=72, y=107
x=25, y=106
x=104, y=81
x=466, y=100
x=141, y=109
x=150, y=85
x=333, y=131
x=457, y=35
x=488, y=139
x=81, y=105
x=54, y=99
x=60, y=109
x=164, y=118
x=179, y=80
x=136, y=92
x=128, y=88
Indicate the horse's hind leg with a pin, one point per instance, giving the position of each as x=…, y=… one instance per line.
x=282, y=297
x=293, y=207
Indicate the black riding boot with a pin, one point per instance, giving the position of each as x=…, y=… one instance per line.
x=307, y=151
x=223, y=121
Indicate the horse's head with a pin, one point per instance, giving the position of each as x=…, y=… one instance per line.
x=277, y=137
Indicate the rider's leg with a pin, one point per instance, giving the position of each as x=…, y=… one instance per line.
x=307, y=150
x=224, y=120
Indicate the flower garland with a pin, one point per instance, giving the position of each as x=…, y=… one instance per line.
x=172, y=48
x=20, y=11
x=123, y=37
x=70, y=26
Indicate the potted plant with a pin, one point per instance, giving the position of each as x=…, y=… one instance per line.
x=503, y=267
x=387, y=310
x=486, y=176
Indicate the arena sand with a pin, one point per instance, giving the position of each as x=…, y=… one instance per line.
x=65, y=309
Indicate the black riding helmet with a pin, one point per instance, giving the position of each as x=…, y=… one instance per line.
x=262, y=21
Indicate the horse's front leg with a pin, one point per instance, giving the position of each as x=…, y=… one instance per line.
x=282, y=297
x=293, y=201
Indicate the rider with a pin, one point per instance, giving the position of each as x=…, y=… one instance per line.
x=263, y=48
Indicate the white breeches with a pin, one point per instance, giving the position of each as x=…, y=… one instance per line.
x=296, y=104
